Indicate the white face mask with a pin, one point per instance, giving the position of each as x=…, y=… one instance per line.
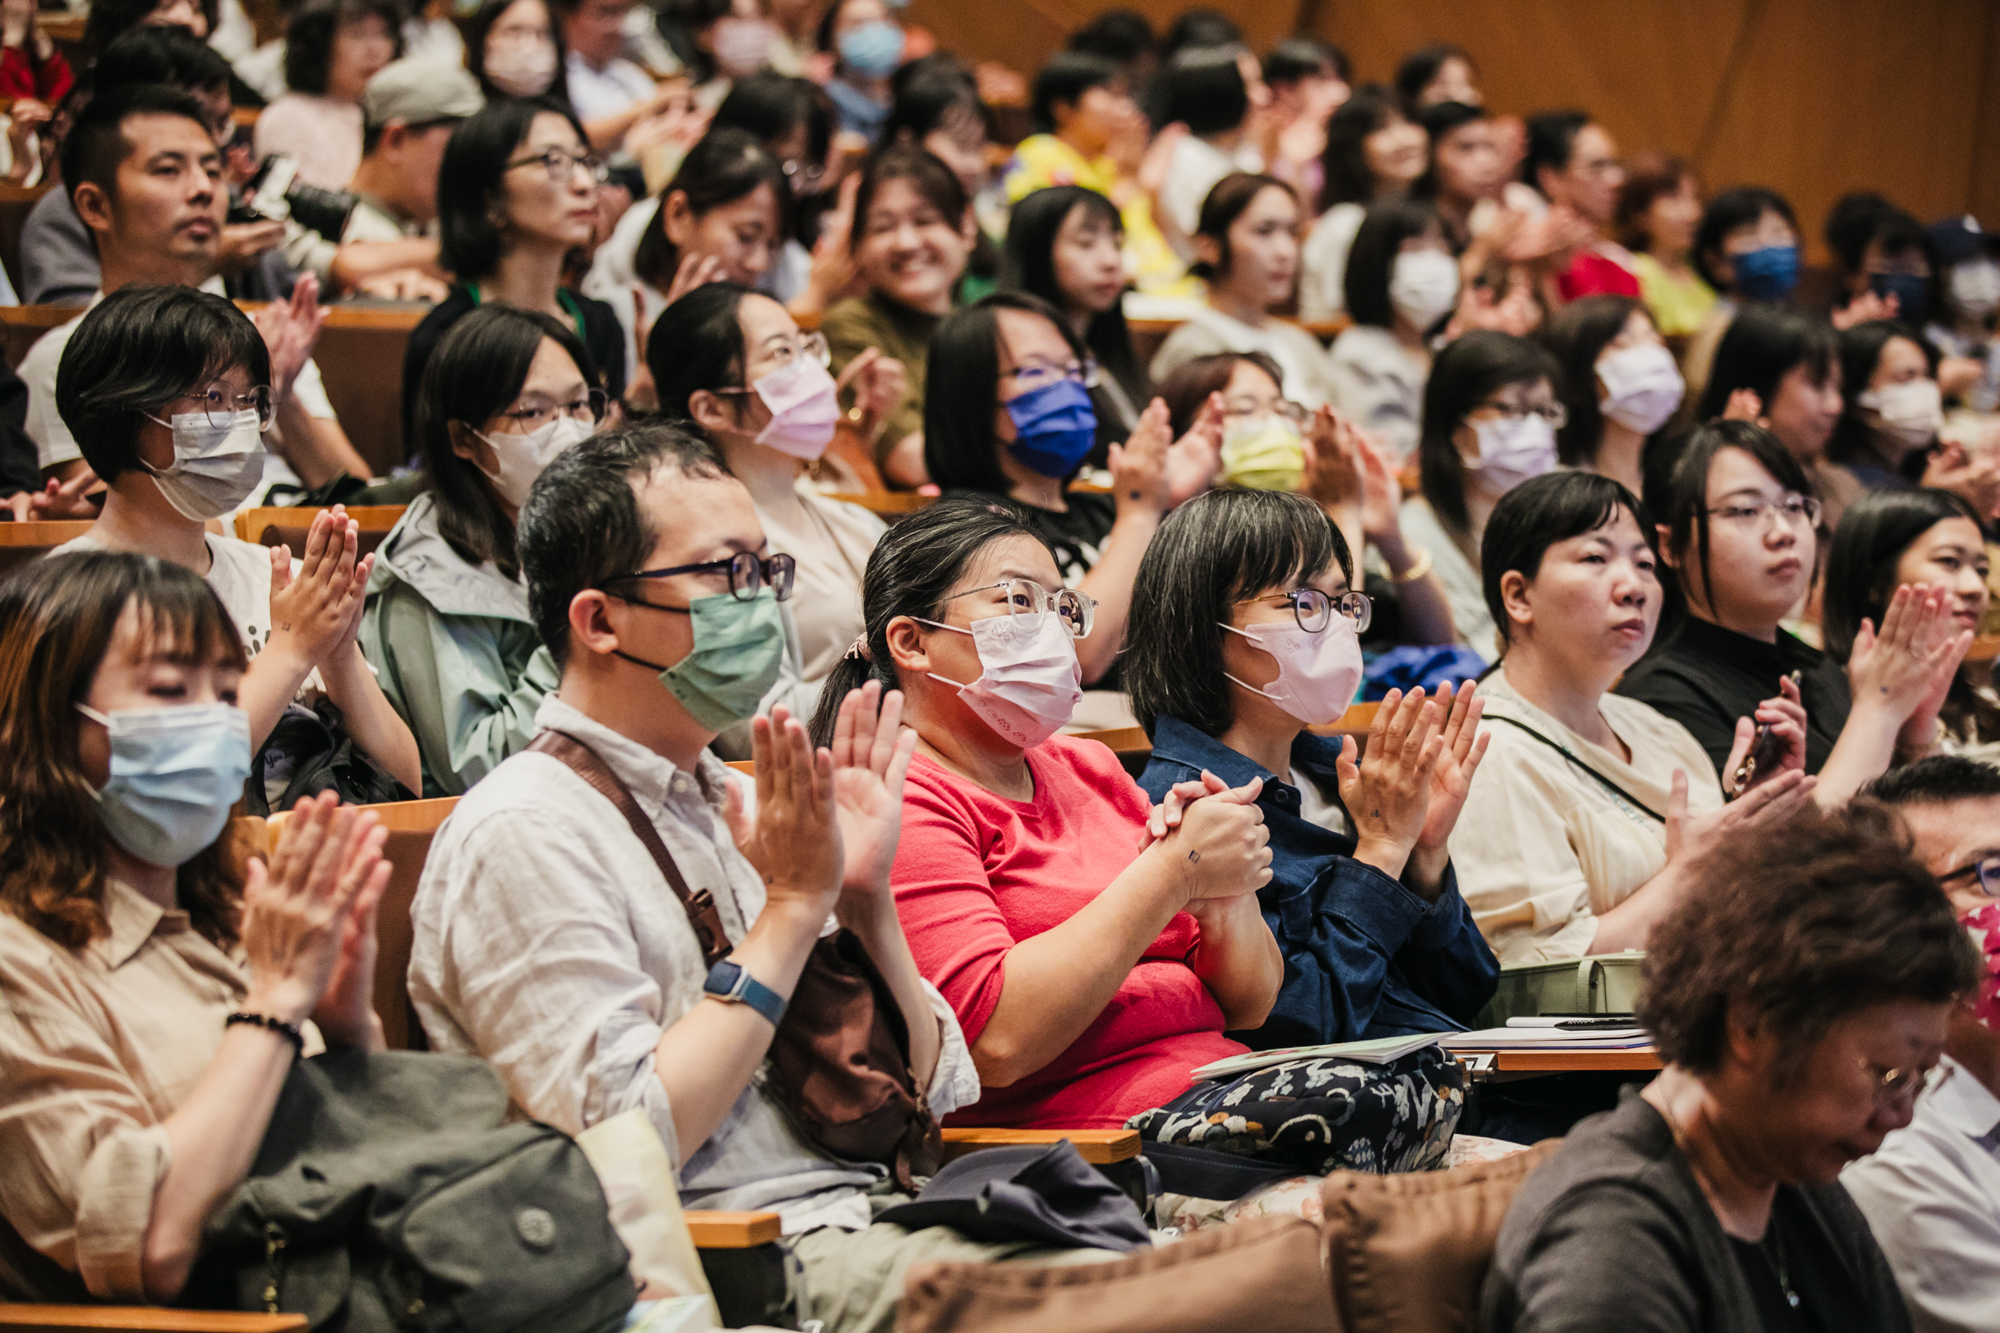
x=1642, y=386
x=1975, y=287
x=1912, y=411
x=521, y=68
x=215, y=468
x=1317, y=673
x=1513, y=450
x=521, y=458
x=1030, y=682
x=1423, y=286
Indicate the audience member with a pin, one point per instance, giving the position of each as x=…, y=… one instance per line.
x=1374, y=152
x=1490, y=417
x=447, y=625
x=1309, y=80
x=1263, y=432
x=1781, y=369
x=1739, y=529
x=516, y=193
x=1205, y=89
x=1574, y=163
x=136, y=356
x=159, y=982
x=1466, y=177
x=1402, y=285
x=1893, y=265
x=1746, y=247
x=332, y=49
x=1200, y=27
x=912, y=233
x=936, y=107
x=867, y=43
x=1892, y=408
x=1247, y=249
x=1122, y=36
x=1798, y=994
x=1659, y=208
x=1961, y=328
x=32, y=69
x=111, y=19
x=1850, y=224
x=1946, y=804
x=607, y=93
x=515, y=49
x=1619, y=381
x=1245, y=634
x=1438, y=73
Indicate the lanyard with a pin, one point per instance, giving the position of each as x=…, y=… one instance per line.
x=563, y=298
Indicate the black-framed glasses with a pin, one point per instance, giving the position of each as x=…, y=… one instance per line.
x=1314, y=610
x=1755, y=513
x=1030, y=601
x=535, y=411
x=220, y=403
x=561, y=164
x=748, y=576
x=1987, y=871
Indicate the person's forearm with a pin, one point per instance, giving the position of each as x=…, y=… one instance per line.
x=64, y=471
x=1426, y=613
x=1110, y=582
x=903, y=465
x=375, y=725
x=1056, y=984
x=1424, y=874
x=270, y=685
x=605, y=132
x=317, y=449
x=1627, y=925
x=1863, y=752
x=706, y=1059
x=873, y=920
x=358, y=261
x=1238, y=959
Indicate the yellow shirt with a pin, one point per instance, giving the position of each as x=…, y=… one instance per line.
x=1042, y=161
x=1679, y=305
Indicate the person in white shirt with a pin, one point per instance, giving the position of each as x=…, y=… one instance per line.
x=1374, y=153
x=609, y=93
x=1212, y=90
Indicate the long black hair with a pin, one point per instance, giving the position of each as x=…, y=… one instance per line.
x=1577, y=337
x=962, y=391
x=1861, y=348
x=1465, y=374
x=697, y=344
x=1031, y=267
x=480, y=26
x=726, y=165
x=1371, y=260
x=1762, y=346
x=1348, y=179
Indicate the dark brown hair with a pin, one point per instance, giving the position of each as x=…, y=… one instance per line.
x=1649, y=175
x=1219, y=210
x=1190, y=383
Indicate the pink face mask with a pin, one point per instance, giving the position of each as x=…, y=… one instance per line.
x=1983, y=923
x=804, y=408
x=1317, y=673
x=1030, y=683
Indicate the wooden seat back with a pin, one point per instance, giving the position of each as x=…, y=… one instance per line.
x=22, y=543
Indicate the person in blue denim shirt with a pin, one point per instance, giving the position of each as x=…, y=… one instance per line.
x=1243, y=634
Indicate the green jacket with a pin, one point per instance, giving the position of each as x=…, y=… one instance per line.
x=433, y=618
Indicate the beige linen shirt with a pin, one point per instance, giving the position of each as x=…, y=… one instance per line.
x=1541, y=847
x=832, y=546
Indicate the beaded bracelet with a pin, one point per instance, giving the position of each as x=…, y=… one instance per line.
x=289, y=1031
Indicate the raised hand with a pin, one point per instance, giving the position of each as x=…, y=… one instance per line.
x=1785, y=715
x=1745, y=405
x=291, y=331
x=1387, y=793
x=1905, y=669
x=880, y=384
x=316, y=610
x=1195, y=458
x=1139, y=466
x=1865, y=309
x=1332, y=478
x=57, y=499
x=871, y=755
x=793, y=839
x=694, y=271
x=1464, y=745
x=1764, y=804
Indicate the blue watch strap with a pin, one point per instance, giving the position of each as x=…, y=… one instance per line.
x=733, y=984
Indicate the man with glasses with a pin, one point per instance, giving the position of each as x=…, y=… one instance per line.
x=1573, y=161
x=1932, y=1191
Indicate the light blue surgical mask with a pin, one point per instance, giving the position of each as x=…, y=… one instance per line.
x=873, y=50
x=174, y=774
x=739, y=650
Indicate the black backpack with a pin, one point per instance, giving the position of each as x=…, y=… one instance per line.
x=390, y=1195
x=312, y=749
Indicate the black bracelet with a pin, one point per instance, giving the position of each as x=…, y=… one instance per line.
x=289, y=1031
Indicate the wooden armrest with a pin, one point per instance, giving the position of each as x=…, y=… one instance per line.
x=140, y=1319
x=731, y=1231
x=1100, y=1147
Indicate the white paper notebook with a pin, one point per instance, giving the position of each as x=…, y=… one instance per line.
x=1377, y=1051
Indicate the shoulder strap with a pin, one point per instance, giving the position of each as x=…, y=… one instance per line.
x=1603, y=781
x=587, y=764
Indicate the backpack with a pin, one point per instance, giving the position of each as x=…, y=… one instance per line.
x=311, y=749
x=390, y=1195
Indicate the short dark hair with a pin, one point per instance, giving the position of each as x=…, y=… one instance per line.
x=96, y=143
x=1066, y=77
x=1577, y=336
x=1551, y=143
x=1851, y=223
x=476, y=371
x=1421, y=66
x=1347, y=177
x=1189, y=384
x=772, y=105
x=480, y=25
x=1861, y=564
x=1762, y=346
x=583, y=524
x=1649, y=175
x=927, y=174
x=162, y=53
x=697, y=344
x=1938, y=779
x=1202, y=88
x=1740, y=207
x=1225, y=203
x=309, y=37
x=1802, y=926
x=924, y=95
x=1120, y=35
x=1298, y=58
x=1440, y=119
x=136, y=351
x=1030, y=266
x=1537, y=514
x=1371, y=259
x=1861, y=347
x=913, y=566
x=112, y=19
x=1200, y=27
x=1210, y=553
x=469, y=180
x=1676, y=477
x=962, y=391
x=1465, y=374
x=724, y=166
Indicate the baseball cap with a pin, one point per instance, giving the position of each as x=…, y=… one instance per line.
x=419, y=92
x=1958, y=239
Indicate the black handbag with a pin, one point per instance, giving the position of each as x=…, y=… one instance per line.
x=391, y=1195
x=311, y=750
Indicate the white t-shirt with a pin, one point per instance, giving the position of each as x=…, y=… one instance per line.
x=1315, y=807
x=595, y=93
x=1192, y=171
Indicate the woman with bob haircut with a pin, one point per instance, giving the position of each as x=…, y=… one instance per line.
x=1782, y=370
x=1892, y=408
x=517, y=192
x=157, y=982
x=1739, y=529
x=1374, y=153
x=447, y=622
x=332, y=49
x=1620, y=384
x=1245, y=633
x=1799, y=994
x=515, y=48
x=1402, y=285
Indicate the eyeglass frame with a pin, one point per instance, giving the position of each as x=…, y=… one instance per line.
x=1335, y=603
x=812, y=343
x=778, y=572
x=599, y=170
x=595, y=399
x=258, y=399
x=1085, y=372
x=1978, y=869
x=1048, y=605
x=1296, y=413
x=1902, y=1080
x=1554, y=413
x=1810, y=509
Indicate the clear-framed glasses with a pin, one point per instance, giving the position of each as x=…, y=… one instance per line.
x=561, y=164
x=811, y=345
x=1314, y=610
x=221, y=403
x=1029, y=601
x=1033, y=375
x=1906, y=1081
x=1801, y=511
x=1987, y=871
x=748, y=576
x=536, y=410
x=1242, y=409
x=1554, y=413
x=804, y=176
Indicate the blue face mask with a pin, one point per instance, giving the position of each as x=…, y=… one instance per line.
x=873, y=50
x=1912, y=293
x=1768, y=274
x=1054, y=427
x=174, y=774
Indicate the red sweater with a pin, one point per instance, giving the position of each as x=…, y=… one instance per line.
x=1593, y=272
x=22, y=77
x=976, y=873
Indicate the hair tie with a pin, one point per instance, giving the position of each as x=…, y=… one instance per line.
x=858, y=650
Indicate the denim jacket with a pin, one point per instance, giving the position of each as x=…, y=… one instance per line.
x=1364, y=956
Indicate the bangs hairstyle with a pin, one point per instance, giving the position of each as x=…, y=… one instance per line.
x=962, y=391
x=470, y=242
x=1649, y=176
x=57, y=619
x=480, y=26
x=1299, y=58
x=1861, y=561
x=1743, y=206
x=912, y=569
x=1577, y=336
x=316, y=24
x=1371, y=260
x=96, y=142
x=1189, y=384
x=1064, y=80
x=136, y=351
x=1203, y=89
x=1465, y=374
x=1537, y=514
x=933, y=92
x=1440, y=120
x=725, y=166
x=774, y=106
x=1677, y=492
x=935, y=183
x=697, y=344
x=1861, y=347
x=1763, y=345
x=1347, y=177
x=1030, y=266
x=1796, y=930
x=111, y=19
x=474, y=375
x=1422, y=66
x=1218, y=549
x=583, y=524
x=1225, y=203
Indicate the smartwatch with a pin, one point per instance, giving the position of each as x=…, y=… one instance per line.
x=732, y=983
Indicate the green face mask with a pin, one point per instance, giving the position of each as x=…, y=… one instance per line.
x=739, y=648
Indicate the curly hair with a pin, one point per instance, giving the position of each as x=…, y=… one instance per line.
x=57, y=618
x=1797, y=929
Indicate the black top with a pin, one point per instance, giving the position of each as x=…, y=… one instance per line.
x=1708, y=676
x=603, y=337
x=20, y=464
x=1796, y=1253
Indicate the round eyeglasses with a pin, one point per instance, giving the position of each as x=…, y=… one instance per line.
x=1030, y=601
x=1314, y=610
x=748, y=576
x=220, y=403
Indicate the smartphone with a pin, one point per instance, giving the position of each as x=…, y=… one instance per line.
x=1763, y=752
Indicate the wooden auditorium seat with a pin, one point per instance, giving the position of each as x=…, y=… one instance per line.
x=290, y=526
x=22, y=543
x=139, y=1319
